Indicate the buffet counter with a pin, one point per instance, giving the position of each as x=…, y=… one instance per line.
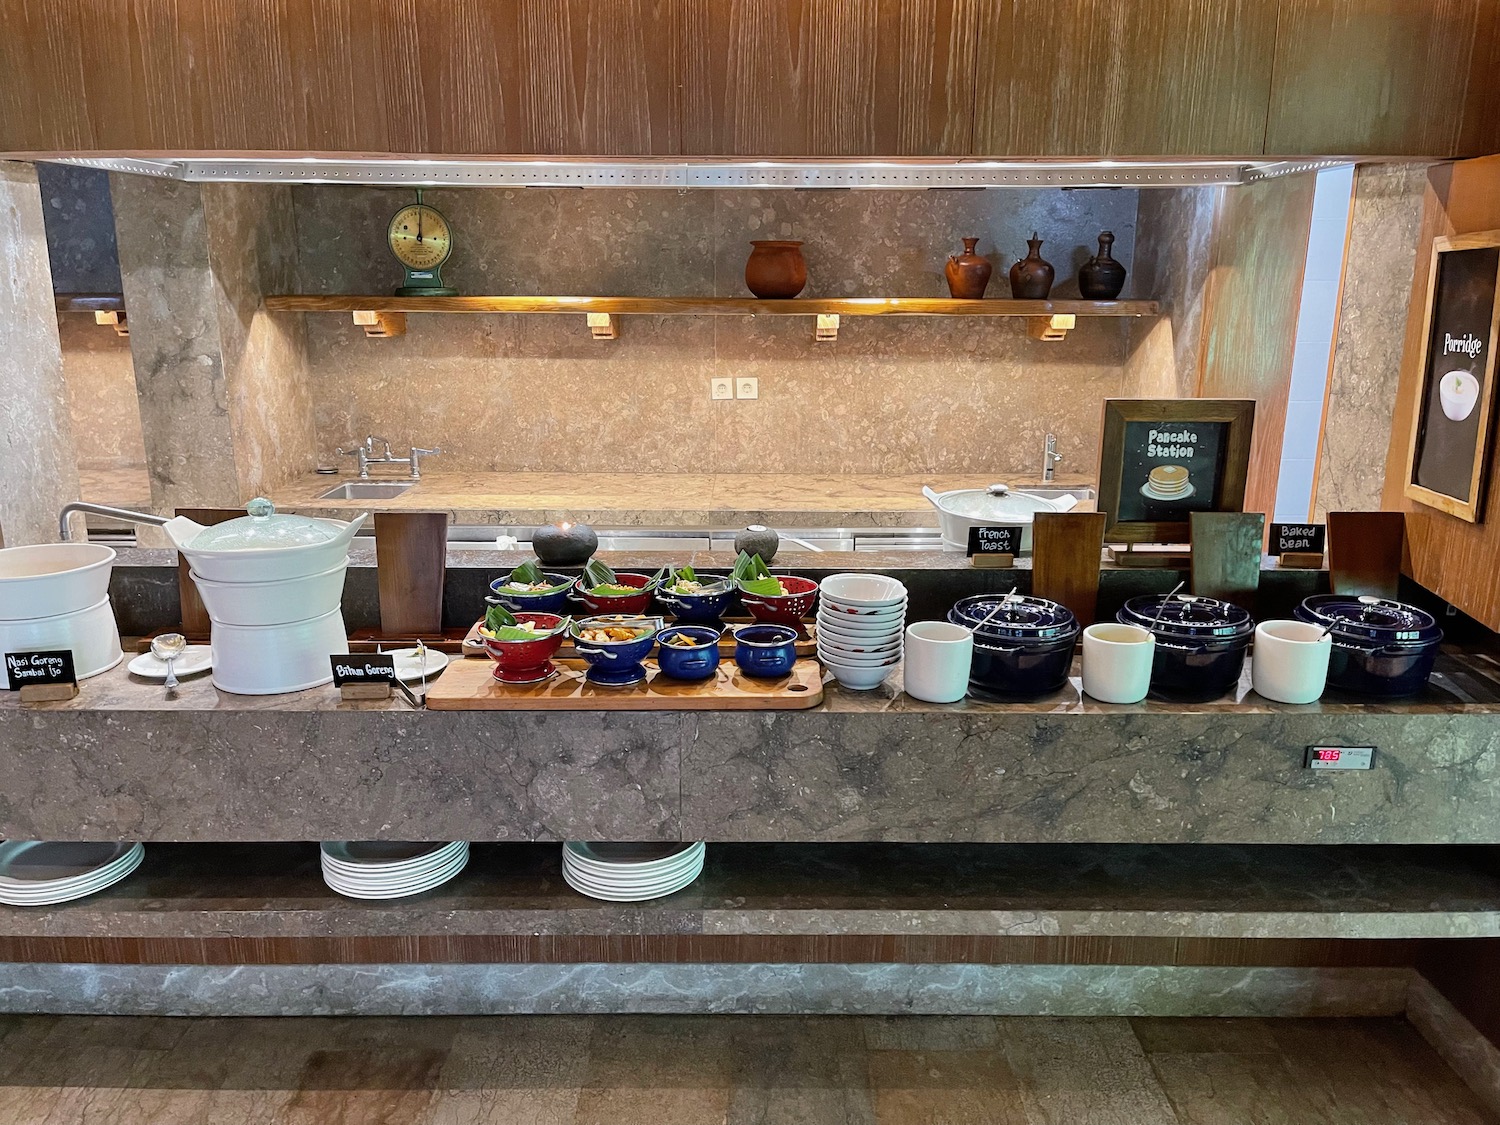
x=680, y=500
x=123, y=761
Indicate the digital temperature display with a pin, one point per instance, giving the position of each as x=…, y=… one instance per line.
x=1340, y=757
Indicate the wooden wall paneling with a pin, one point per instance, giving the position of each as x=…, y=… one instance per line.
x=39, y=54
x=1250, y=318
x=1381, y=77
x=828, y=77
x=1100, y=77
x=1479, y=131
x=1451, y=557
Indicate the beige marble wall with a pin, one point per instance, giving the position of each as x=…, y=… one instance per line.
x=101, y=395
x=536, y=393
x=221, y=384
x=1379, y=260
x=36, y=453
x=1174, y=238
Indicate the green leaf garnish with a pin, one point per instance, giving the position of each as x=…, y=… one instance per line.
x=497, y=617
x=595, y=573
x=529, y=573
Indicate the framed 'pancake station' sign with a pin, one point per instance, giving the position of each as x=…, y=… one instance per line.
x=1161, y=460
x=1451, y=424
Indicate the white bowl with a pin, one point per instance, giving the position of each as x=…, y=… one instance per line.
x=864, y=623
x=862, y=612
x=858, y=678
x=273, y=603
x=51, y=579
x=1458, y=392
x=272, y=659
x=859, y=659
x=90, y=634
x=882, y=647
x=869, y=591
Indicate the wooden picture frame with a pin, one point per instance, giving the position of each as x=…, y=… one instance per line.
x=1447, y=455
x=1134, y=516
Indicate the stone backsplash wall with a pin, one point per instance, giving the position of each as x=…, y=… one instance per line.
x=535, y=392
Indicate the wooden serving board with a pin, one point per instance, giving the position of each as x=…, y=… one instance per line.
x=807, y=646
x=470, y=685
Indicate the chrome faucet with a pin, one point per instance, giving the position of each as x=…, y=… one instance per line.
x=1050, y=458
x=365, y=455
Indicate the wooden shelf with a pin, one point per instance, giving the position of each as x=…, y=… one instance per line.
x=385, y=316
x=108, y=308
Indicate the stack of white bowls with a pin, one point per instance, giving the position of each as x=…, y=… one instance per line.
x=389, y=868
x=630, y=872
x=39, y=873
x=56, y=596
x=861, y=619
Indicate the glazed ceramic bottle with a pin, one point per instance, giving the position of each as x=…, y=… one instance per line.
x=775, y=269
x=1101, y=277
x=968, y=274
x=1031, y=277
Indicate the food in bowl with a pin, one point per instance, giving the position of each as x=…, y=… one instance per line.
x=683, y=640
x=522, y=644
x=608, y=633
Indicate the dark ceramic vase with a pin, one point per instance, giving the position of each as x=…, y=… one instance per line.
x=758, y=539
x=567, y=544
x=775, y=269
x=1101, y=277
x=1031, y=277
x=968, y=274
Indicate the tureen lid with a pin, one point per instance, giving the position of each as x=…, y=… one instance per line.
x=263, y=529
x=1187, y=615
x=995, y=502
x=1014, y=616
x=1376, y=619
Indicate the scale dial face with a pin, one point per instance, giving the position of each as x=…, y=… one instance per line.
x=420, y=238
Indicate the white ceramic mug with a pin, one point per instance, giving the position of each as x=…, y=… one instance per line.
x=1117, y=662
x=1289, y=663
x=938, y=655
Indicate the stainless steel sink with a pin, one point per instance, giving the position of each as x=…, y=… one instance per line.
x=368, y=490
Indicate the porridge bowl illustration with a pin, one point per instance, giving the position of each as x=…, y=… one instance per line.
x=1458, y=391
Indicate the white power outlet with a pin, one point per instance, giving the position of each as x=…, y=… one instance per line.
x=747, y=388
x=720, y=389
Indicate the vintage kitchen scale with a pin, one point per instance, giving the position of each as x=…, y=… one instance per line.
x=421, y=239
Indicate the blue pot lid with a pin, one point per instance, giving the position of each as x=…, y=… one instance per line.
x=1382, y=620
x=1013, y=616
x=1186, y=615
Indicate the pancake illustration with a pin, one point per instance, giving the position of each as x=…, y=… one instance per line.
x=1168, y=482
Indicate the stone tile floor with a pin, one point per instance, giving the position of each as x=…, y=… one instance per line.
x=666, y=1070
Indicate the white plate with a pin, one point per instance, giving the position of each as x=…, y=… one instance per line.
x=631, y=876
x=396, y=874
x=631, y=855
x=409, y=665
x=194, y=659
x=612, y=894
x=394, y=888
x=376, y=854
x=46, y=894
x=29, y=863
x=1183, y=495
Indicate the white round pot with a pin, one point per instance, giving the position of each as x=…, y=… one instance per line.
x=273, y=659
x=996, y=506
x=262, y=546
x=273, y=603
x=90, y=634
x=50, y=579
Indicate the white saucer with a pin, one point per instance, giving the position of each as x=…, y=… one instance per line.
x=409, y=665
x=1183, y=495
x=194, y=659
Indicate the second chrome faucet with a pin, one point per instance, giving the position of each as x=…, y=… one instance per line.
x=366, y=456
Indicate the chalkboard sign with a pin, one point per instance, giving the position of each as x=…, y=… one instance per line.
x=1298, y=538
x=1000, y=540
x=34, y=669
x=1451, y=420
x=362, y=668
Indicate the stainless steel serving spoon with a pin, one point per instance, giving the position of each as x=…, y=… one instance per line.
x=168, y=647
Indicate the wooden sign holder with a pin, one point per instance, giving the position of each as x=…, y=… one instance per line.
x=992, y=562
x=1066, y=551
x=1227, y=552
x=1300, y=560
x=48, y=693
x=358, y=693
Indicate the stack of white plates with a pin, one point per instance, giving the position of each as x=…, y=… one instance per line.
x=41, y=873
x=390, y=868
x=630, y=872
x=861, y=621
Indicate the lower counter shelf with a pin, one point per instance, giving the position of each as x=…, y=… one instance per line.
x=1077, y=904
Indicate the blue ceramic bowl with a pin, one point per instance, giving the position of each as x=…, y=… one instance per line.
x=698, y=608
x=681, y=662
x=766, y=651
x=532, y=603
x=614, y=663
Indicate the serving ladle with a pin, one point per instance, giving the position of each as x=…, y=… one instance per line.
x=168, y=647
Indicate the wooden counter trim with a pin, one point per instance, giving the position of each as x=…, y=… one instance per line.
x=709, y=306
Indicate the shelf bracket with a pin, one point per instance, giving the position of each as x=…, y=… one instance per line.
x=604, y=326
x=114, y=318
x=380, y=325
x=1054, y=327
x=828, y=328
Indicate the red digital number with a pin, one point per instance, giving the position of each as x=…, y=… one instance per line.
x=1329, y=755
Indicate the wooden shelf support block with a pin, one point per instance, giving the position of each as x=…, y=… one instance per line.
x=1365, y=553
x=1066, y=550
x=380, y=325
x=113, y=318
x=604, y=326
x=1054, y=327
x=828, y=328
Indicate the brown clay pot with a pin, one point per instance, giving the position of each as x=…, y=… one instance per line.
x=1031, y=277
x=775, y=269
x=968, y=274
x=1101, y=277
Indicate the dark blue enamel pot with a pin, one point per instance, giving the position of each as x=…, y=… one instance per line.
x=765, y=651
x=699, y=608
x=518, y=602
x=1200, y=643
x=1023, y=646
x=1380, y=647
x=683, y=662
